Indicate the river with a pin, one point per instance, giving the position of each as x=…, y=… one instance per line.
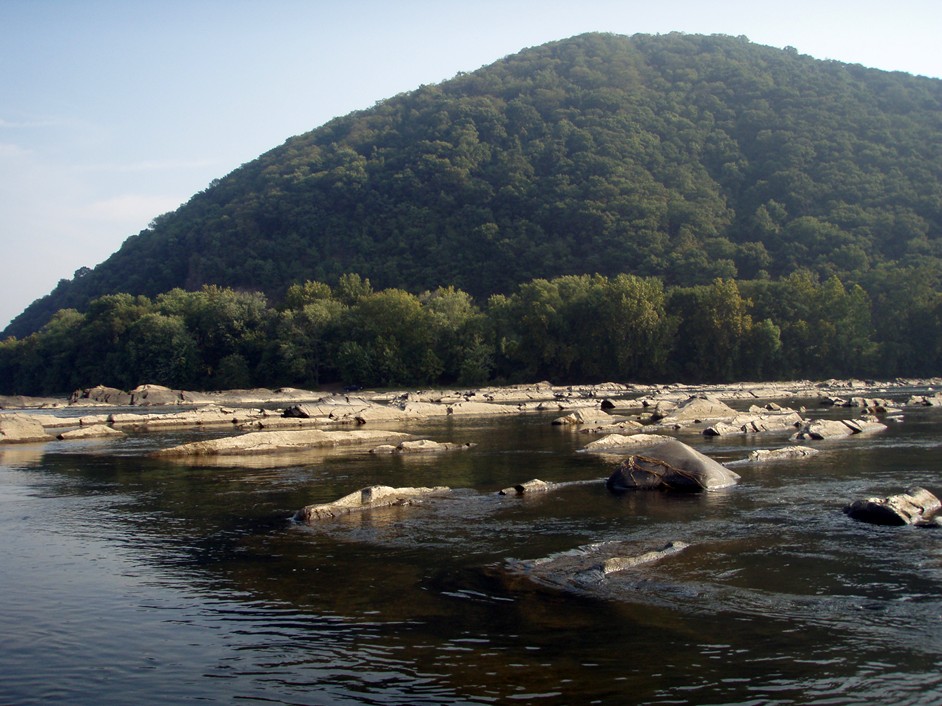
x=127, y=579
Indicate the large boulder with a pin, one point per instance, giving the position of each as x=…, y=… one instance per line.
x=917, y=506
x=671, y=465
x=19, y=429
x=156, y=395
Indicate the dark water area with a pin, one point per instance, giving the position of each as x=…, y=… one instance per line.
x=127, y=579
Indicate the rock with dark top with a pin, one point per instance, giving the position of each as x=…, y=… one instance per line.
x=917, y=506
x=671, y=465
x=101, y=395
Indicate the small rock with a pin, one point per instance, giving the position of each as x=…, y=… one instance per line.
x=915, y=506
x=783, y=454
x=531, y=486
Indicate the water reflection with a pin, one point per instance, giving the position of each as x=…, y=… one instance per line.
x=22, y=455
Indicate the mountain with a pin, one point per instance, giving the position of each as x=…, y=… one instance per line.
x=682, y=156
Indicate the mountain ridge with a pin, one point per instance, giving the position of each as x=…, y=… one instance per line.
x=687, y=157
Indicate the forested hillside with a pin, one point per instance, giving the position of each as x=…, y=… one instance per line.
x=681, y=157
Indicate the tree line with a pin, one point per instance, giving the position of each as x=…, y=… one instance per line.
x=574, y=328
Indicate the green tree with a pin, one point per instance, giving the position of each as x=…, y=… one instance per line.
x=715, y=321
x=162, y=351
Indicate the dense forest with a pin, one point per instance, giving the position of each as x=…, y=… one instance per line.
x=576, y=328
x=692, y=164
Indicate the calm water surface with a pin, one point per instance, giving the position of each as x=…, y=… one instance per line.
x=131, y=580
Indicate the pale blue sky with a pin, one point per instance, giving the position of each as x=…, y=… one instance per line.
x=115, y=111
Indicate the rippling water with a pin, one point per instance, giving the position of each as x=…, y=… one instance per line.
x=130, y=580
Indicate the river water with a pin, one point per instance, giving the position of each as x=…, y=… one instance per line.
x=127, y=579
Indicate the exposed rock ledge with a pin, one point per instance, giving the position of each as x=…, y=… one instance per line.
x=267, y=442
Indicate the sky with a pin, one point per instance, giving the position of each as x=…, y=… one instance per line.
x=113, y=112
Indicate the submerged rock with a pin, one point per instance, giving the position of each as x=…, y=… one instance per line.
x=671, y=465
x=591, y=567
x=917, y=506
x=372, y=497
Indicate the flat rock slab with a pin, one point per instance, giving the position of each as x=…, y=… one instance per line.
x=96, y=431
x=468, y=408
x=370, y=498
x=671, y=465
x=420, y=446
x=269, y=442
x=210, y=416
x=917, y=506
